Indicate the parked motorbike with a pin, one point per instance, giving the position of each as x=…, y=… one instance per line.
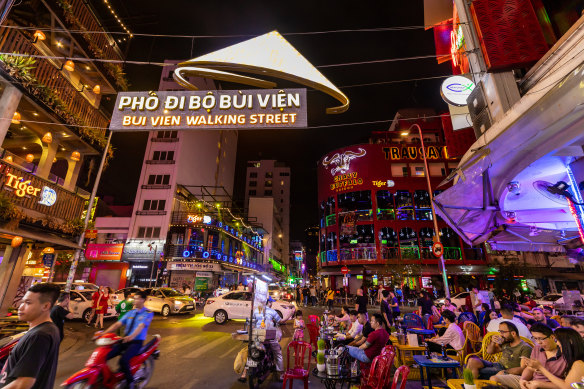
x=260, y=363
x=97, y=374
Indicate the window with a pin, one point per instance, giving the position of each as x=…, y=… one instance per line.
x=148, y=232
x=385, y=207
x=408, y=242
x=268, y=183
x=166, y=134
x=158, y=179
x=284, y=174
x=154, y=205
x=443, y=171
x=269, y=174
x=163, y=156
x=282, y=191
x=253, y=174
x=404, y=205
x=419, y=171
x=267, y=193
x=405, y=172
x=358, y=203
x=253, y=183
x=252, y=192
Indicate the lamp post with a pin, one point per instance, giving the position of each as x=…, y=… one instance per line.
x=434, y=219
x=153, y=263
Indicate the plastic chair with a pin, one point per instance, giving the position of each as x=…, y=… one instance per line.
x=314, y=319
x=313, y=335
x=390, y=357
x=298, y=371
x=387, y=349
x=411, y=320
x=467, y=316
x=379, y=370
x=404, y=371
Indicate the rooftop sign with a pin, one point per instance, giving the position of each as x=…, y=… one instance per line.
x=217, y=109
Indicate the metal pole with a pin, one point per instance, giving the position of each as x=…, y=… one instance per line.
x=73, y=268
x=153, y=263
x=434, y=219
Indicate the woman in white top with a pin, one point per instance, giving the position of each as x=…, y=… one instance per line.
x=453, y=337
x=343, y=318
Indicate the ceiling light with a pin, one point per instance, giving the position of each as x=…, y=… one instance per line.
x=8, y=158
x=39, y=36
x=87, y=68
x=405, y=133
x=29, y=158
x=16, y=118
x=69, y=65
x=97, y=89
x=48, y=138
x=75, y=156
x=59, y=44
x=35, y=114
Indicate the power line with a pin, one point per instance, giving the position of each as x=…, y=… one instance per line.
x=359, y=30
x=123, y=62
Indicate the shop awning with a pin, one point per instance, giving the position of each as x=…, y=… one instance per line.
x=51, y=239
x=531, y=146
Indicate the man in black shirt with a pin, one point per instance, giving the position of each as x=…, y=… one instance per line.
x=60, y=312
x=386, y=310
x=361, y=302
x=367, y=329
x=32, y=364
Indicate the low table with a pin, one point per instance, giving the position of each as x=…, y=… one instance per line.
x=330, y=382
x=456, y=383
x=424, y=362
x=421, y=331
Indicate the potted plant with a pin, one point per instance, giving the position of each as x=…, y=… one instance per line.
x=321, y=346
x=468, y=379
x=320, y=366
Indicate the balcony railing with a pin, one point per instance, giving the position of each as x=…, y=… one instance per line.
x=31, y=192
x=186, y=251
x=156, y=186
x=159, y=162
x=168, y=140
x=359, y=253
x=75, y=109
x=151, y=213
x=405, y=253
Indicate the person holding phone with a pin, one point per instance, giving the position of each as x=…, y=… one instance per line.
x=512, y=349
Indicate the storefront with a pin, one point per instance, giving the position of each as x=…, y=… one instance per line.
x=145, y=268
x=107, y=268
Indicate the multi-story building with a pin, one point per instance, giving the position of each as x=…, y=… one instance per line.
x=270, y=178
x=375, y=212
x=51, y=89
x=183, y=211
x=264, y=211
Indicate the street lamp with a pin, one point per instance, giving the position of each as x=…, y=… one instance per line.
x=434, y=219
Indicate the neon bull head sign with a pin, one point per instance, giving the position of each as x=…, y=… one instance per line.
x=342, y=161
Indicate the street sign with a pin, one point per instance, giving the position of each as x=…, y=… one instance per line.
x=48, y=259
x=437, y=249
x=345, y=270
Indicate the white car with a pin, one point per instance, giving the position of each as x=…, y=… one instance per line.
x=555, y=300
x=79, y=286
x=119, y=294
x=80, y=305
x=237, y=305
x=458, y=299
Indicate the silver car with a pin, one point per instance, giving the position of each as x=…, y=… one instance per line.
x=167, y=300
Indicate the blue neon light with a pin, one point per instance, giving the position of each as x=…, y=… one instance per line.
x=220, y=224
x=576, y=192
x=205, y=254
x=186, y=253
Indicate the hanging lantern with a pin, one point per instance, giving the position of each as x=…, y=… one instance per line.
x=48, y=137
x=8, y=159
x=16, y=118
x=39, y=36
x=54, y=159
x=97, y=89
x=69, y=65
x=75, y=156
x=29, y=158
x=16, y=241
x=48, y=250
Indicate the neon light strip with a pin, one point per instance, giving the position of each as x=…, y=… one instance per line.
x=575, y=191
x=577, y=218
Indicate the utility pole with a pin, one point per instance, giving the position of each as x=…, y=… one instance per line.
x=434, y=219
x=153, y=263
x=75, y=262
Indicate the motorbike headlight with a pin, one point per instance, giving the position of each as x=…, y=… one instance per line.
x=257, y=352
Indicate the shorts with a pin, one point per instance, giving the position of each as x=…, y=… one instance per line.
x=490, y=369
x=508, y=380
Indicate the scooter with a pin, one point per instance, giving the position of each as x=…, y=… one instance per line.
x=97, y=374
x=260, y=363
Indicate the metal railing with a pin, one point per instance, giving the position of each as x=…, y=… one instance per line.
x=359, y=253
x=156, y=186
x=46, y=73
x=151, y=213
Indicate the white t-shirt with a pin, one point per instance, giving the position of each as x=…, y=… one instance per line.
x=523, y=330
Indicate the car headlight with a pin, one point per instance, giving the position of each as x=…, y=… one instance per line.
x=178, y=302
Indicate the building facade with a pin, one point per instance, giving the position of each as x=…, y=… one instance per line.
x=375, y=211
x=271, y=179
x=52, y=146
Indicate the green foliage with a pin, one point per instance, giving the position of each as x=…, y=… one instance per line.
x=320, y=359
x=21, y=67
x=321, y=344
x=468, y=377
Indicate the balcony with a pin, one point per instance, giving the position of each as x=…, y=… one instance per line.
x=196, y=252
x=156, y=186
x=47, y=86
x=151, y=213
x=160, y=162
x=167, y=140
x=49, y=203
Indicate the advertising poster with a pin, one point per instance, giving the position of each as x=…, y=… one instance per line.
x=201, y=284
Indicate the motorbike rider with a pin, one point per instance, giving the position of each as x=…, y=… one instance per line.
x=271, y=319
x=136, y=323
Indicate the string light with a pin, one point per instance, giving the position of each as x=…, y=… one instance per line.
x=106, y=2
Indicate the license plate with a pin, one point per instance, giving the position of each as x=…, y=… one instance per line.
x=251, y=363
x=189, y=307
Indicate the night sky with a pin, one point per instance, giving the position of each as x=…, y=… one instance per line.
x=299, y=148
